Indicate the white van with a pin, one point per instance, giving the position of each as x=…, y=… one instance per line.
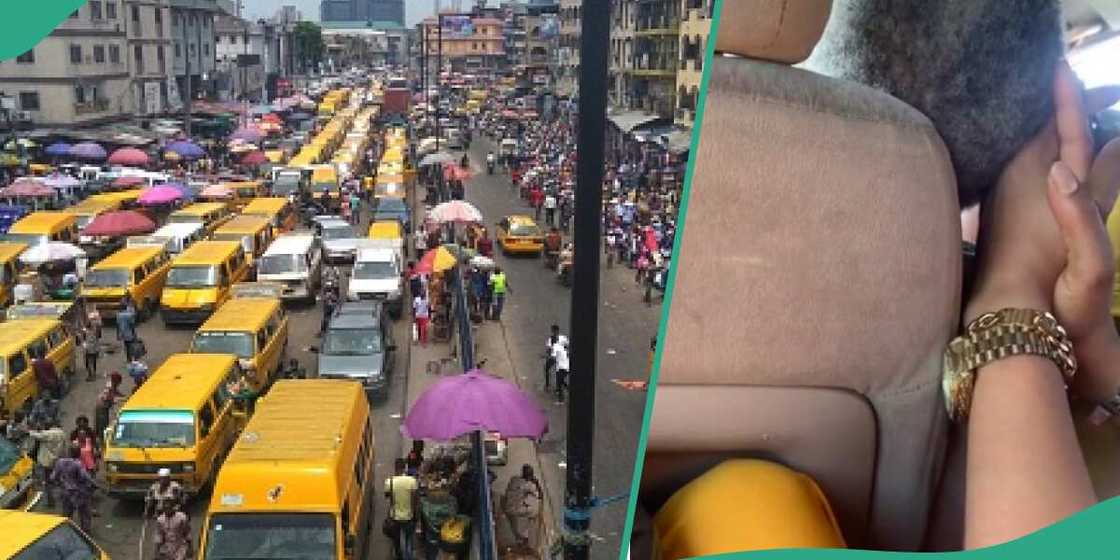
x=178, y=236
x=294, y=261
x=377, y=276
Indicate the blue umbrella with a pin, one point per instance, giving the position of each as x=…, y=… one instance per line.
x=88, y=150
x=185, y=149
x=58, y=149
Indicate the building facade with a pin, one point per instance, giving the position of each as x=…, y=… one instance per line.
x=150, y=56
x=539, y=59
x=360, y=43
x=623, y=16
x=567, y=78
x=78, y=74
x=696, y=22
x=362, y=10
x=468, y=43
x=192, y=36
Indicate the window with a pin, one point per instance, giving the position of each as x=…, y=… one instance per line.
x=111, y=9
x=38, y=349
x=94, y=9
x=160, y=57
x=138, y=55
x=99, y=53
x=178, y=50
x=75, y=54
x=79, y=94
x=206, y=49
x=262, y=340
x=159, y=16
x=192, y=49
x=115, y=54
x=64, y=541
x=225, y=276
x=205, y=420
x=136, y=14
x=16, y=365
x=56, y=337
x=29, y=100
x=233, y=39
x=27, y=57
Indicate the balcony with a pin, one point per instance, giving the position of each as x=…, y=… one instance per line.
x=659, y=25
x=90, y=107
x=654, y=66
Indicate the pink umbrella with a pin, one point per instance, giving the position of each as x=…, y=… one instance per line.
x=475, y=400
x=254, y=158
x=161, y=194
x=128, y=156
x=27, y=188
x=455, y=211
x=124, y=222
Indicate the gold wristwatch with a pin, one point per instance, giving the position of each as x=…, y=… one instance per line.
x=994, y=336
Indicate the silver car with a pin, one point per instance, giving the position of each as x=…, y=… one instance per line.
x=340, y=241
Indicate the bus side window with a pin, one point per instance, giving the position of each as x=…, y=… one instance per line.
x=225, y=275
x=262, y=339
x=38, y=349
x=17, y=364
x=205, y=419
x=56, y=337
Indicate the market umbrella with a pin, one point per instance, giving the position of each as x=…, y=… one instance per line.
x=88, y=150
x=58, y=149
x=27, y=188
x=436, y=158
x=436, y=260
x=186, y=149
x=216, y=191
x=51, y=252
x=455, y=211
x=20, y=143
x=186, y=191
x=248, y=134
x=254, y=158
x=129, y=181
x=456, y=172
x=160, y=194
x=272, y=118
x=128, y=156
x=60, y=181
x=474, y=401
x=123, y=222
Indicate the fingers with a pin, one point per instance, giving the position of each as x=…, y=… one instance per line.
x=1089, y=251
x=1104, y=176
x=1074, y=137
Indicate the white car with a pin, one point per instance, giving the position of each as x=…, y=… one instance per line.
x=377, y=276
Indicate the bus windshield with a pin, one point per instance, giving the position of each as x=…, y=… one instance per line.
x=250, y=536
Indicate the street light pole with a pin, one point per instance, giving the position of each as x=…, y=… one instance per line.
x=187, y=97
x=592, y=122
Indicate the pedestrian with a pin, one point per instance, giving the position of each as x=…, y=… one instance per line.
x=499, y=287
x=162, y=493
x=126, y=329
x=104, y=404
x=522, y=503
x=47, y=377
x=330, y=301
x=173, y=534
x=415, y=458
x=485, y=244
x=77, y=488
x=138, y=371
x=400, y=489
x=560, y=355
x=93, y=316
x=83, y=438
x=421, y=313
x=52, y=447
x=553, y=339
x=421, y=240
x=91, y=350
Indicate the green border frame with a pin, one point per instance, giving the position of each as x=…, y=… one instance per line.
x=651, y=387
x=26, y=23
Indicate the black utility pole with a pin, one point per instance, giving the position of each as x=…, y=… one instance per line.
x=439, y=77
x=591, y=130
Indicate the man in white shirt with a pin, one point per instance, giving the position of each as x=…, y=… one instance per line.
x=549, y=360
x=549, y=207
x=560, y=355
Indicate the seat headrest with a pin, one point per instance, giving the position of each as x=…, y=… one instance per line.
x=784, y=31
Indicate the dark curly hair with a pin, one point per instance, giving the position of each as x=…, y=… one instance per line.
x=981, y=70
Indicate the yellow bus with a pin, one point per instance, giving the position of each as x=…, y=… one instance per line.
x=43, y=227
x=21, y=343
x=244, y=191
x=209, y=214
x=278, y=211
x=255, y=329
x=123, y=199
x=182, y=419
x=32, y=536
x=252, y=232
x=200, y=279
x=89, y=209
x=316, y=496
x=134, y=272
x=9, y=269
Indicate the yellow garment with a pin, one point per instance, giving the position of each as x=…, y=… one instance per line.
x=1114, y=235
x=742, y=505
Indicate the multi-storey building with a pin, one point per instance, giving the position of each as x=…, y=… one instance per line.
x=192, y=34
x=567, y=79
x=623, y=15
x=654, y=75
x=362, y=10
x=468, y=43
x=149, y=57
x=79, y=73
x=542, y=30
x=360, y=43
x=696, y=21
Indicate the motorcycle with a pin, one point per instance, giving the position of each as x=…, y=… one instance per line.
x=551, y=259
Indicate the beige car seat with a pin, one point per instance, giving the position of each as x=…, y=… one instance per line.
x=818, y=283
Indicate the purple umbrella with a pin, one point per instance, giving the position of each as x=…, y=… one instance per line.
x=162, y=194
x=88, y=150
x=60, y=181
x=475, y=400
x=58, y=149
x=187, y=193
x=248, y=134
x=185, y=149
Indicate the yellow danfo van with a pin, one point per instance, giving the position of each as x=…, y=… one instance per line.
x=32, y=536
x=182, y=419
x=9, y=269
x=42, y=227
x=200, y=279
x=15, y=478
x=209, y=214
x=255, y=329
x=89, y=209
x=21, y=342
x=136, y=272
x=278, y=211
x=317, y=493
x=252, y=232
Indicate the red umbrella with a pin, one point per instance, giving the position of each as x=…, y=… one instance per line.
x=254, y=158
x=124, y=222
x=130, y=181
x=128, y=156
x=272, y=118
x=456, y=173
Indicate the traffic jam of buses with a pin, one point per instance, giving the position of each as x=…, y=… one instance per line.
x=196, y=341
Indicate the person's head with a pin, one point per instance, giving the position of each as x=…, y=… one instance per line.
x=497, y=270
x=163, y=476
x=399, y=465
x=115, y=379
x=82, y=422
x=986, y=76
x=555, y=330
x=418, y=445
